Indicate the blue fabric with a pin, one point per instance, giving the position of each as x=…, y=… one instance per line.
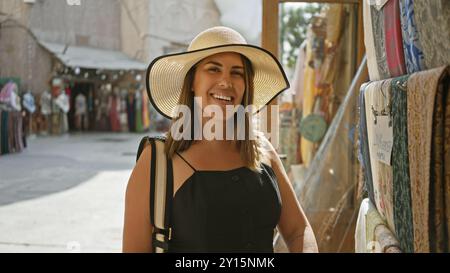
x=364, y=156
x=414, y=57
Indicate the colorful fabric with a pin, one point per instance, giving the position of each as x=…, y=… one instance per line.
x=145, y=113
x=310, y=91
x=378, y=32
x=393, y=39
x=433, y=25
x=447, y=162
x=369, y=43
x=373, y=219
x=414, y=58
x=386, y=240
x=297, y=86
x=400, y=167
x=422, y=90
x=378, y=97
x=438, y=242
x=360, y=230
x=364, y=154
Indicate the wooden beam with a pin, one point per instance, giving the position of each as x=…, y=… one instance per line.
x=270, y=26
x=361, y=49
x=270, y=41
x=321, y=1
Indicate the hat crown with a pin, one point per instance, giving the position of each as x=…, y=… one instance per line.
x=216, y=36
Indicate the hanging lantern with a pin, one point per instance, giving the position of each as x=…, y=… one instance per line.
x=77, y=70
x=103, y=77
x=86, y=75
x=138, y=77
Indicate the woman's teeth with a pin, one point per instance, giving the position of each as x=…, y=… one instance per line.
x=220, y=97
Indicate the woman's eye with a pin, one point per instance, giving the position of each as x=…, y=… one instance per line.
x=237, y=73
x=213, y=69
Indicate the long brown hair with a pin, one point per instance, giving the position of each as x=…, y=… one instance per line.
x=250, y=149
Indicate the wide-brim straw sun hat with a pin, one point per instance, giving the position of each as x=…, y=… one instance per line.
x=166, y=74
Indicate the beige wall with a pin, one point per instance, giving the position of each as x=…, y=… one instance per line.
x=173, y=23
x=21, y=56
x=134, y=24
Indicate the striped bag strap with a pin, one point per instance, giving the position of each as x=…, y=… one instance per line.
x=160, y=193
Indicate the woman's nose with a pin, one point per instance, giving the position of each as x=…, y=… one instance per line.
x=225, y=82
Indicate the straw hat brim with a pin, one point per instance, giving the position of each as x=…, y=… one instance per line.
x=166, y=74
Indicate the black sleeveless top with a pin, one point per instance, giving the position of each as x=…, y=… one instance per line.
x=226, y=211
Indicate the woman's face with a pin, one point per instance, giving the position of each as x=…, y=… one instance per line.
x=219, y=80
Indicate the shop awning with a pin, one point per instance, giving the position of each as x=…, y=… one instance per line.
x=93, y=58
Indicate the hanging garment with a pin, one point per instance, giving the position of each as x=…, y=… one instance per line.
x=393, y=39
x=438, y=242
x=310, y=91
x=81, y=112
x=369, y=43
x=378, y=98
x=114, y=113
x=145, y=113
x=412, y=48
x=379, y=38
x=421, y=97
x=131, y=113
x=46, y=103
x=1, y=131
x=138, y=109
x=360, y=230
x=373, y=219
x=386, y=240
x=4, y=132
x=446, y=164
x=28, y=102
x=433, y=25
x=364, y=154
x=400, y=167
x=123, y=111
x=297, y=86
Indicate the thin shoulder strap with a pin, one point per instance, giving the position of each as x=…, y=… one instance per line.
x=192, y=167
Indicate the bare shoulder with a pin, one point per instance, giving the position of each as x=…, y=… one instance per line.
x=137, y=225
x=140, y=176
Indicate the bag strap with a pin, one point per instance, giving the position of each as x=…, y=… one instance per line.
x=161, y=189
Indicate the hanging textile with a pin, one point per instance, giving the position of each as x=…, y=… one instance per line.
x=123, y=111
x=138, y=109
x=377, y=101
x=114, y=109
x=11, y=137
x=131, y=110
x=433, y=25
x=364, y=155
x=369, y=43
x=400, y=167
x=297, y=86
x=145, y=113
x=360, y=230
x=373, y=219
x=412, y=47
x=393, y=39
x=379, y=38
x=386, y=240
x=423, y=89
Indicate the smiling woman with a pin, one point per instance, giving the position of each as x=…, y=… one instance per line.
x=222, y=195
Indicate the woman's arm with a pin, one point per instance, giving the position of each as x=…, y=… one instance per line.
x=137, y=228
x=293, y=224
